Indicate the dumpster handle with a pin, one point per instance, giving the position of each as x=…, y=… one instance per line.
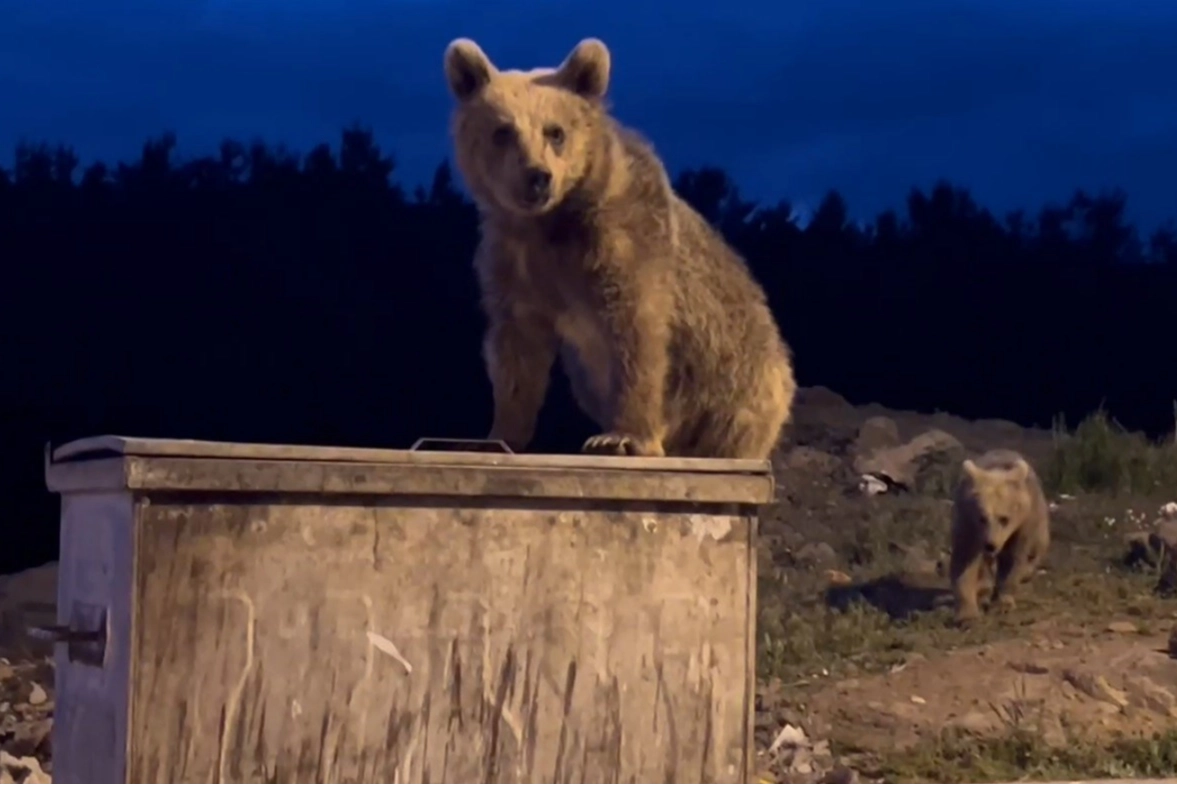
x=85, y=635
x=462, y=445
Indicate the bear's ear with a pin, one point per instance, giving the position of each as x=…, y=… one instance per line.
x=467, y=68
x=970, y=468
x=586, y=70
x=1021, y=470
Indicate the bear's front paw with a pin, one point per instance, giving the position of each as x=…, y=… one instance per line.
x=966, y=615
x=1006, y=602
x=622, y=444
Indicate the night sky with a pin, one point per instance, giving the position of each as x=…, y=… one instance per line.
x=1019, y=100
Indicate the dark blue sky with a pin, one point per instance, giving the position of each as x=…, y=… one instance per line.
x=1020, y=100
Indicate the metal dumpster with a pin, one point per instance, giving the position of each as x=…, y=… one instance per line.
x=279, y=613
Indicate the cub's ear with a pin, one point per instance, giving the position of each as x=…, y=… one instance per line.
x=467, y=68
x=1021, y=470
x=970, y=469
x=586, y=69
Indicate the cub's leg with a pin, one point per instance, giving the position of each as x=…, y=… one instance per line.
x=1015, y=565
x=965, y=570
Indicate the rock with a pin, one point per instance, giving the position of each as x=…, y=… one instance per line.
x=874, y=435
x=938, y=471
x=816, y=554
x=1156, y=548
x=789, y=736
x=812, y=459
x=27, y=599
x=915, y=559
x=974, y=722
x=819, y=398
x=21, y=770
x=793, y=752
x=1151, y=695
x=30, y=737
x=929, y=461
x=1030, y=668
x=838, y=578
x=1164, y=542
x=1054, y=734
x=872, y=485
x=37, y=695
x=843, y=774
x=1096, y=686
x=26, y=719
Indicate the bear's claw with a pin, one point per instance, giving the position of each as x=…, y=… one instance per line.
x=620, y=444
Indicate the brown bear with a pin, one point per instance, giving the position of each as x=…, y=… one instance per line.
x=1000, y=529
x=587, y=253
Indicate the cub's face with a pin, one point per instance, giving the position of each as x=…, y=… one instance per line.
x=1003, y=500
x=523, y=140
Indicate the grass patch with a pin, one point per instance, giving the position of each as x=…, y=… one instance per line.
x=1100, y=456
x=815, y=641
x=1023, y=755
x=802, y=638
x=820, y=642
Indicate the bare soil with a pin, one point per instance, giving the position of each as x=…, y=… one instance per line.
x=859, y=650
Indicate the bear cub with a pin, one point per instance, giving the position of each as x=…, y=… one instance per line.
x=1000, y=530
x=588, y=255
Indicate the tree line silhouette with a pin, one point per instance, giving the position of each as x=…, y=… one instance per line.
x=260, y=295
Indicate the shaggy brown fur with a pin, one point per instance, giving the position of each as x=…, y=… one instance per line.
x=1000, y=520
x=587, y=253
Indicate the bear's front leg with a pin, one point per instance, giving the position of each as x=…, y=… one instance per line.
x=638, y=322
x=965, y=572
x=1015, y=564
x=519, y=350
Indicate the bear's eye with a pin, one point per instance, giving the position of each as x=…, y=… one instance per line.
x=503, y=135
x=554, y=134
x=1003, y=520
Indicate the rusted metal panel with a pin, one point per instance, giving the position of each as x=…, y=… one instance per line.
x=94, y=595
x=322, y=619
x=356, y=644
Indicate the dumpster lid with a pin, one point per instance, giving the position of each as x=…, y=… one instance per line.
x=478, y=453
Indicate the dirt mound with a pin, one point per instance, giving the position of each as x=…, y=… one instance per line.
x=858, y=652
x=1063, y=683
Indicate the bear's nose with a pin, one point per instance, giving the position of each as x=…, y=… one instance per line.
x=990, y=548
x=539, y=183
